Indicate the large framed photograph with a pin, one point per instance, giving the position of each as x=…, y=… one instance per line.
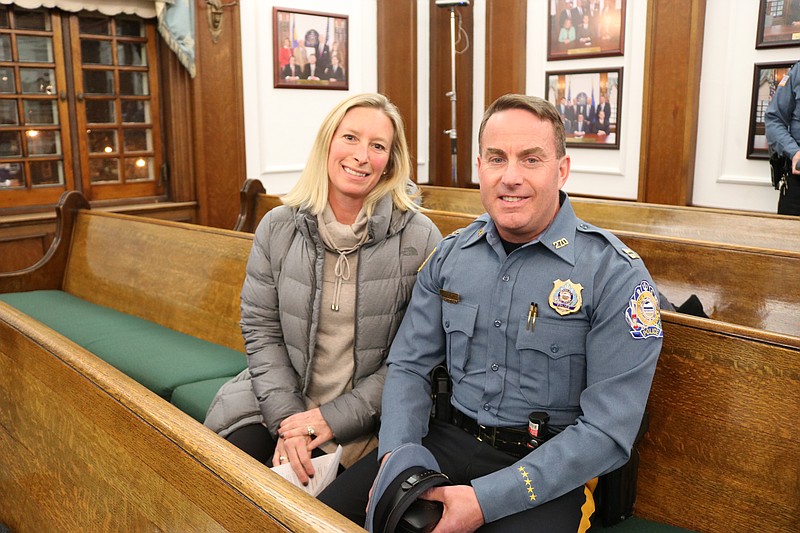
x=310, y=49
x=778, y=23
x=766, y=78
x=589, y=102
x=585, y=28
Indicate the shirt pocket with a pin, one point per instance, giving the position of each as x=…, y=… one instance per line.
x=458, y=321
x=552, y=363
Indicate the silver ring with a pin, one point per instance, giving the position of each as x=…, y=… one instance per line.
x=310, y=430
x=283, y=458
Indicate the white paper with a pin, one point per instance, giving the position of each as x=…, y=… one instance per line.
x=325, y=469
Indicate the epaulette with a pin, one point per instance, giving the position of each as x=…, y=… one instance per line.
x=620, y=247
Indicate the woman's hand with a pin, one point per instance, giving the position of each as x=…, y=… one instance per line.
x=297, y=436
x=295, y=450
x=306, y=424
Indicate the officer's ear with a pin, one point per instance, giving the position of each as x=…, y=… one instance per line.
x=563, y=170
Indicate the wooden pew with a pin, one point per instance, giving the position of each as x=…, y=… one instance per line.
x=741, y=228
x=84, y=446
x=721, y=453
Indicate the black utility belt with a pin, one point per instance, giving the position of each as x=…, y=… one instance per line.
x=510, y=440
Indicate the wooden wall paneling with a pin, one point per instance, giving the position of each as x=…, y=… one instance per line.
x=440, y=84
x=17, y=253
x=397, y=64
x=506, y=32
x=673, y=60
x=178, y=125
x=218, y=117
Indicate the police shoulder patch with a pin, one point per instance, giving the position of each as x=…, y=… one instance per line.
x=643, y=314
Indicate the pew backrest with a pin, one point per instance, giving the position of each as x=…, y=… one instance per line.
x=722, y=452
x=185, y=277
x=758, y=230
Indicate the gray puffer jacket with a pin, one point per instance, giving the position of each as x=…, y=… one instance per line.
x=280, y=310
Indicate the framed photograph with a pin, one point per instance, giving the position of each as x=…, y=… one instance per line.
x=589, y=102
x=309, y=49
x=766, y=78
x=778, y=23
x=585, y=28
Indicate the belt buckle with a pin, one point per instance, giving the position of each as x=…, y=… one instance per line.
x=487, y=436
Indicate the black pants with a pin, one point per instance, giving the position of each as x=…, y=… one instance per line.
x=463, y=458
x=789, y=199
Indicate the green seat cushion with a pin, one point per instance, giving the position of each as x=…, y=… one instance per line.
x=159, y=358
x=194, y=399
x=639, y=525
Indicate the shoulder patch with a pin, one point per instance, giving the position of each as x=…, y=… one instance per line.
x=630, y=253
x=783, y=81
x=643, y=314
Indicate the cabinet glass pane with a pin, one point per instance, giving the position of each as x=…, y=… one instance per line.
x=138, y=168
x=40, y=111
x=43, y=142
x=35, y=49
x=46, y=173
x=7, y=80
x=98, y=82
x=100, y=112
x=135, y=111
x=96, y=52
x=131, y=54
x=8, y=112
x=130, y=28
x=138, y=140
x=5, y=48
x=133, y=83
x=3, y=17
x=103, y=170
x=94, y=25
x=37, y=80
x=10, y=144
x=102, y=141
x=31, y=20
x=12, y=175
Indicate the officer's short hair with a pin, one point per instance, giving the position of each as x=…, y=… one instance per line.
x=311, y=190
x=533, y=104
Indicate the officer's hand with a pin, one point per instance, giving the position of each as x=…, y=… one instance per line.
x=462, y=512
x=306, y=424
x=795, y=160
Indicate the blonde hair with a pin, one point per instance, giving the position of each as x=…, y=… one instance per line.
x=311, y=190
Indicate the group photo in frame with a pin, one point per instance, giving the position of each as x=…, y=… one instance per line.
x=585, y=28
x=589, y=102
x=778, y=23
x=309, y=49
x=766, y=78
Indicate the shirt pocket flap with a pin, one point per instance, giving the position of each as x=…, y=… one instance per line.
x=459, y=317
x=553, y=338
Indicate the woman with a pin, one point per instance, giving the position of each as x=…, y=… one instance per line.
x=328, y=280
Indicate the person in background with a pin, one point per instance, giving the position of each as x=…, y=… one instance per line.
x=328, y=280
x=535, y=313
x=311, y=71
x=567, y=33
x=334, y=72
x=291, y=71
x=285, y=53
x=782, y=121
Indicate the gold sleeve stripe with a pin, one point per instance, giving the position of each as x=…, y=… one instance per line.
x=426, y=259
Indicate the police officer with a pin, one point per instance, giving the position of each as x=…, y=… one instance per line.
x=782, y=121
x=533, y=310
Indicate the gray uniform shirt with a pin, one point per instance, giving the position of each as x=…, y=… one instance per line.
x=588, y=362
x=782, y=118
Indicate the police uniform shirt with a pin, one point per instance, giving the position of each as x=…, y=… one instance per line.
x=588, y=359
x=782, y=119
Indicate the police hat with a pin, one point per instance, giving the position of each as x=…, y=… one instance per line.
x=409, y=471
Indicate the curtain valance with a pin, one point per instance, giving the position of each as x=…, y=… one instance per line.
x=142, y=8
